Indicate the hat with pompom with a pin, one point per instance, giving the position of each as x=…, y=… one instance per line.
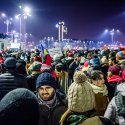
x=120, y=55
x=80, y=94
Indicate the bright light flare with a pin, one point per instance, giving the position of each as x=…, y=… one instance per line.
x=20, y=6
x=106, y=31
x=57, y=25
x=3, y=15
x=27, y=10
x=118, y=31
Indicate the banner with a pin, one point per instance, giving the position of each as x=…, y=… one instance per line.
x=55, y=51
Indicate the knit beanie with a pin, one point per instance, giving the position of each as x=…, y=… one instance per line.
x=70, y=54
x=10, y=62
x=22, y=62
x=80, y=94
x=36, y=66
x=120, y=55
x=46, y=79
x=21, y=69
x=85, y=66
x=114, y=69
x=94, y=62
x=19, y=107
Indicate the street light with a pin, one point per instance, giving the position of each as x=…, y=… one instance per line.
x=7, y=21
x=3, y=15
x=112, y=33
x=25, y=12
x=61, y=30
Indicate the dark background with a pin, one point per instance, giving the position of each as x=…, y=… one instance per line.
x=84, y=18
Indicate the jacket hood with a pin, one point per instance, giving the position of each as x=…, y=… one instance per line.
x=47, y=59
x=121, y=88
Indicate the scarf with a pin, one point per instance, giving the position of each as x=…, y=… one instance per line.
x=50, y=104
x=123, y=75
x=114, y=78
x=76, y=119
x=103, y=90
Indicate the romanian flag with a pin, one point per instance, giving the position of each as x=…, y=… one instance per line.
x=42, y=49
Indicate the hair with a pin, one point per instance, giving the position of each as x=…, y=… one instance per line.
x=113, y=59
x=123, y=62
x=96, y=75
x=112, y=54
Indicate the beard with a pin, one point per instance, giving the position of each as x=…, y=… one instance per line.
x=47, y=96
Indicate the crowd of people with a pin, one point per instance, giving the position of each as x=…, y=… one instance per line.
x=78, y=88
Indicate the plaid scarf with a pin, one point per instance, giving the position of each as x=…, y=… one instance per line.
x=76, y=119
x=50, y=104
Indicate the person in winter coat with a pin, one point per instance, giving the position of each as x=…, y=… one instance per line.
x=35, y=72
x=2, y=69
x=113, y=79
x=1, y=59
x=19, y=107
x=116, y=108
x=56, y=60
x=46, y=65
x=112, y=61
x=104, y=66
x=100, y=90
x=11, y=79
x=73, y=66
x=28, y=65
x=120, y=55
x=62, y=77
x=81, y=103
x=52, y=102
x=20, y=66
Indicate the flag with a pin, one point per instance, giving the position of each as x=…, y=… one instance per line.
x=45, y=52
x=42, y=49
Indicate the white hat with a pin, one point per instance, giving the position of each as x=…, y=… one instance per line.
x=56, y=57
x=81, y=97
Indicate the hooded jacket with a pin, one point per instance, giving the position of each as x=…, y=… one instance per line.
x=19, y=107
x=46, y=65
x=116, y=108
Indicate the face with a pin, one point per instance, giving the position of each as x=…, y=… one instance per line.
x=78, y=58
x=46, y=92
x=110, y=62
x=100, y=82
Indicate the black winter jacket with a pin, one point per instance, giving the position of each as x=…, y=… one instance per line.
x=11, y=80
x=52, y=116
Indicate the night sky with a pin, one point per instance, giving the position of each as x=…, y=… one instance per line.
x=85, y=19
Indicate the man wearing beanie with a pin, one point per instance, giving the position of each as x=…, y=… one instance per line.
x=11, y=79
x=19, y=107
x=52, y=101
